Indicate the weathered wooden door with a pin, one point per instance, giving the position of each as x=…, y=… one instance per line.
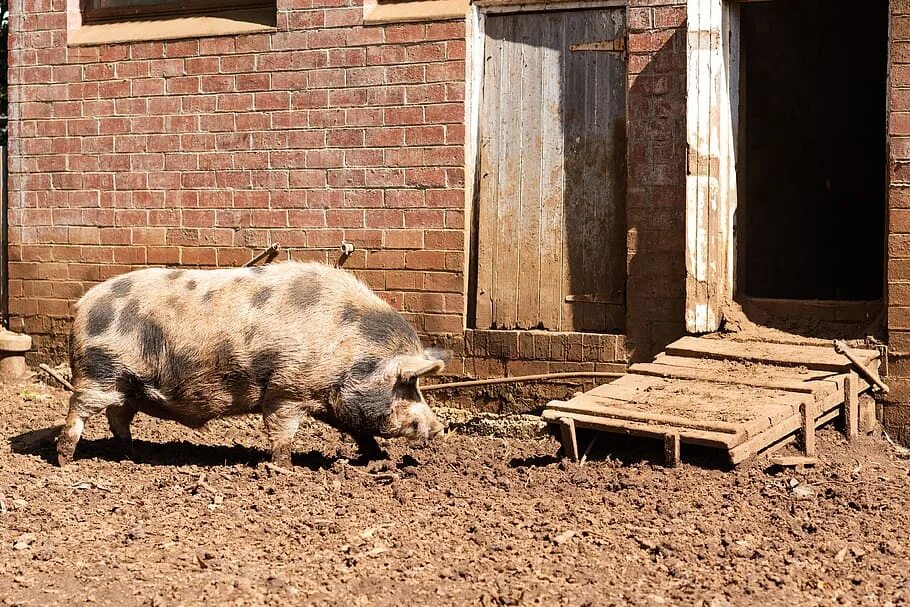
x=551, y=242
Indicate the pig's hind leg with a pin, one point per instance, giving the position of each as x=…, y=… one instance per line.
x=119, y=418
x=86, y=401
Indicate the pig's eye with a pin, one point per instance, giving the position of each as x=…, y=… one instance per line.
x=414, y=425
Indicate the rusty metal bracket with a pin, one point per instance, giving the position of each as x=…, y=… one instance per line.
x=617, y=45
x=841, y=348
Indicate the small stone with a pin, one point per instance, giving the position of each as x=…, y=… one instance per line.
x=803, y=491
x=24, y=541
x=561, y=538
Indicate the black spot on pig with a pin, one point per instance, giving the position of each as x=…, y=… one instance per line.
x=366, y=411
x=364, y=367
x=233, y=377
x=387, y=328
x=190, y=285
x=350, y=315
x=209, y=295
x=257, y=269
x=100, y=317
x=175, y=274
x=175, y=369
x=129, y=319
x=305, y=291
x=152, y=342
x=121, y=287
x=261, y=297
x=263, y=365
x=98, y=364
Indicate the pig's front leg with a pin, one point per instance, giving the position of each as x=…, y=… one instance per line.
x=282, y=419
x=369, y=448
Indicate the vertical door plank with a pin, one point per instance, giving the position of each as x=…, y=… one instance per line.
x=507, y=218
x=489, y=174
x=527, y=236
x=573, y=95
x=552, y=184
x=595, y=193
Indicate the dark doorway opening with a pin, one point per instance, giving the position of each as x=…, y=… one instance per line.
x=812, y=150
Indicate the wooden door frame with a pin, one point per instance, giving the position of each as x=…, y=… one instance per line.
x=712, y=82
x=475, y=39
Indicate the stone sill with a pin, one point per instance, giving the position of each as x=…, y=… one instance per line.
x=385, y=11
x=224, y=24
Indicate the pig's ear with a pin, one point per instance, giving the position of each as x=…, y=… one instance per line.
x=438, y=354
x=412, y=367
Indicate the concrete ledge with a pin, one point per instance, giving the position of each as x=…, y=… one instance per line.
x=385, y=11
x=222, y=24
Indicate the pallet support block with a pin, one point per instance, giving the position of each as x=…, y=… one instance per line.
x=807, y=411
x=568, y=437
x=671, y=449
x=851, y=406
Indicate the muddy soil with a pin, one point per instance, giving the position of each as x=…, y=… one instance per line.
x=199, y=519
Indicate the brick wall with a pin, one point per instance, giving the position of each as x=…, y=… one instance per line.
x=196, y=152
x=899, y=221
x=199, y=152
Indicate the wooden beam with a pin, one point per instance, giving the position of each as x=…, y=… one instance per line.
x=807, y=412
x=569, y=438
x=851, y=406
x=671, y=449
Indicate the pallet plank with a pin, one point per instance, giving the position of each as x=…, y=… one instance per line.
x=813, y=357
x=716, y=371
x=581, y=405
x=757, y=444
x=618, y=426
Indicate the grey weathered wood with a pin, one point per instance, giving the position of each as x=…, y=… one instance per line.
x=569, y=438
x=488, y=192
x=671, y=449
x=551, y=201
x=712, y=59
x=851, y=406
x=592, y=407
x=621, y=426
x=773, y=435
x=812, y=357
x=812, y=382
x=807, y=412
x=792, y=461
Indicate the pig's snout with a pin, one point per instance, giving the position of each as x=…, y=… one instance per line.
x=420, y=423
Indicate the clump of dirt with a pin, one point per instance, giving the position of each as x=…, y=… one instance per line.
x=199, y=519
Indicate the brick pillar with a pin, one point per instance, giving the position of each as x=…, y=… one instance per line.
x=657, y=189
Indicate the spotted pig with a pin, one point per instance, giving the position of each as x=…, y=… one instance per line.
x=286, y=340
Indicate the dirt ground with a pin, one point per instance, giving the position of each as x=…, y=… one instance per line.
x=198, y=519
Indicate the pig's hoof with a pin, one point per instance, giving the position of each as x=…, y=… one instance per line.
x=379, y=465
x=63, y=459
x=64, y=452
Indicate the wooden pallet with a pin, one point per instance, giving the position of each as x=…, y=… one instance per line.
x=742, y=397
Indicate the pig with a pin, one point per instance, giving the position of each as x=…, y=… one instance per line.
x=284, y=340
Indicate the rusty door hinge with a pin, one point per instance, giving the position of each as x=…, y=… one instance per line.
x=617, y=45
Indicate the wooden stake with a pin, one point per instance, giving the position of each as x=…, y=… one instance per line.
x=671, y=450
x=807, y=410
x=851, y=406
x=569, y=439
x=57, y=376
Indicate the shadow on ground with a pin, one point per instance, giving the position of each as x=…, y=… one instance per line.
x=42, y=443
x=627, y=450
